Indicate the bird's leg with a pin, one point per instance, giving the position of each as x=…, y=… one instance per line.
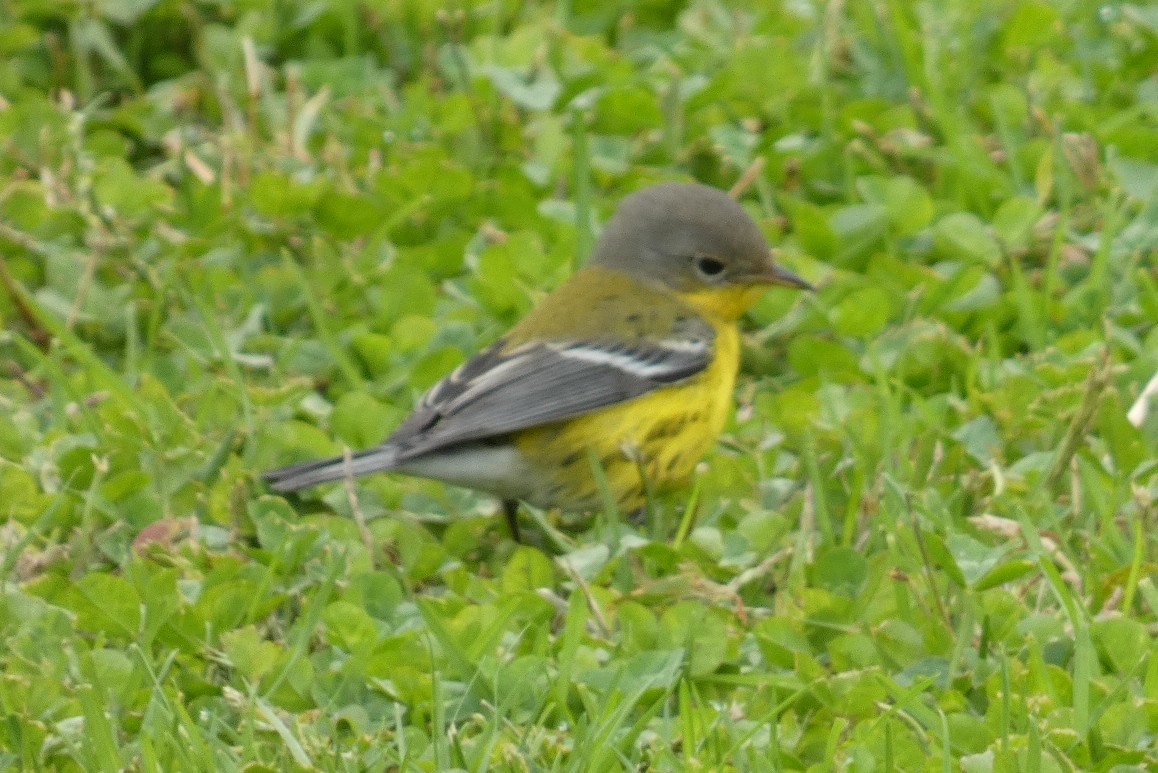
x=644, y=513
x=640, y=516
x=511, y=511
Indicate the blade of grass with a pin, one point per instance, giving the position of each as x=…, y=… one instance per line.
x=100, y=738
x=821, y=512
x=212, y=327
x=319, y=318
x=688, y=520
x=574, y=625
x=610, y=510
x=102, y=375
x=1135, y=568
x=1079, y=425
x=292, y=744
x=581, y=159
x=689, y=738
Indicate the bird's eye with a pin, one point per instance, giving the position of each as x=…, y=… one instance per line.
x=709, y=268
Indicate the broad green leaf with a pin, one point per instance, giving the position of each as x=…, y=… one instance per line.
x=700, y=631
x=1123, y=642
x=346, y=216
x=840, y=570
x=527, y=570
x=360, y=420
x=962, y=235
x=348, y=626
x=105, y=604
x=862, y=314
x=276, y=195
x=249, y=653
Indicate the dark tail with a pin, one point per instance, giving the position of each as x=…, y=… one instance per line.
x=299, y=476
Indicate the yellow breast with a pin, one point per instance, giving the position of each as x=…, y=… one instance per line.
x=659, y=437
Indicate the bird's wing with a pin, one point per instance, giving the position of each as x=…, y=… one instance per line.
x=502, y=390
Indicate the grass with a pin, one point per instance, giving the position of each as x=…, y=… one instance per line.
x=237, y=234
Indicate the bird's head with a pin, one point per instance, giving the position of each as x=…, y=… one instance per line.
x=696, y=241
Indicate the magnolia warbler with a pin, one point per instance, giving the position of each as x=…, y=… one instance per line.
x=629, y=364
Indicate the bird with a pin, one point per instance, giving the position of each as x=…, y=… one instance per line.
x=628, y=366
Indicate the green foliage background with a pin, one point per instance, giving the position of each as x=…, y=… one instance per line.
x=236, y=233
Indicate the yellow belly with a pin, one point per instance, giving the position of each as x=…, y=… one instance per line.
x=660, y=436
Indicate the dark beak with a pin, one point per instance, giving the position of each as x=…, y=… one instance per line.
x=778, y=275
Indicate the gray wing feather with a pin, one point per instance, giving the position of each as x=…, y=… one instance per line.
x=500, y=392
